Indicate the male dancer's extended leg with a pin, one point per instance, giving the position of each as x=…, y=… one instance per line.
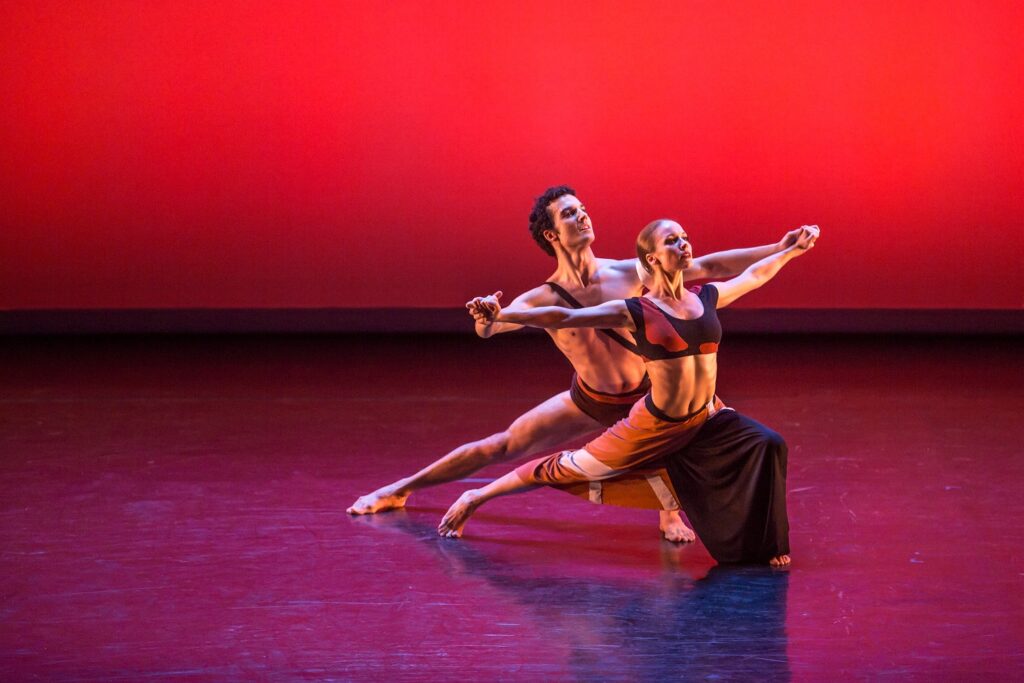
x=540, y=429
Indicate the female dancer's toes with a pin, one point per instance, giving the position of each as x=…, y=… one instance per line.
x=779, y=561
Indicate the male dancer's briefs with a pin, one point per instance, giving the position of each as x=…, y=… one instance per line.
x=603, y=407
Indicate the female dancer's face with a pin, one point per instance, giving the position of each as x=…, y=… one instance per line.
x=672, y=249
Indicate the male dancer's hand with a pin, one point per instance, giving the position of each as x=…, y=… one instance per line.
x=485, y=309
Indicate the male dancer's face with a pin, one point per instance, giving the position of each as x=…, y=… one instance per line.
x=573, y=229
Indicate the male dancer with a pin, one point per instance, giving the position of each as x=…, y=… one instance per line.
x=609, y=377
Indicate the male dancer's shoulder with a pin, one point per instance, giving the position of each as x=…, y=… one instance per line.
x=541, y=295
x=622, y=265
x=624, y=272
x=627, y=267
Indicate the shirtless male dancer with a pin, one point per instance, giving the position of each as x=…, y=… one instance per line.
x=609, y=377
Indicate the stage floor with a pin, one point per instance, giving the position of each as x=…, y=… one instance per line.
x=173, y=507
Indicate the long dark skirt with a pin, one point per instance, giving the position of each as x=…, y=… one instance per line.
x=731, y=483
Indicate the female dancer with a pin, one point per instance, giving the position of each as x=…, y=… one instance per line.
x=677, y=332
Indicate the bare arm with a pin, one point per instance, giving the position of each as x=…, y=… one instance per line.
x=460, y=511
x=764, y=270
x=482, y=308
x=603, y=316
x=726, y=264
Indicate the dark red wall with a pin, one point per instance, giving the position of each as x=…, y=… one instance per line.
x=181, y=154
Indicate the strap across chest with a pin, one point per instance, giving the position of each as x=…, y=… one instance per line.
x=572, y=301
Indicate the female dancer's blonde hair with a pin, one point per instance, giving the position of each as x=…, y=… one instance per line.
x=645, y=243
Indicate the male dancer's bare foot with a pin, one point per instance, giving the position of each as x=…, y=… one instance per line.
x=458, y=514
x=779, y=561
x=672, y=526
x=380, y=500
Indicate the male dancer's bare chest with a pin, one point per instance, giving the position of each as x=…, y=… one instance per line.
x=599, y=290
x=600, y=360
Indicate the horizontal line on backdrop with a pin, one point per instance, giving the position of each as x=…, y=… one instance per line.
x=399, y=320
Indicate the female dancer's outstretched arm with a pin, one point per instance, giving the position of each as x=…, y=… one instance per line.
x=612, y=314
x=765, y=269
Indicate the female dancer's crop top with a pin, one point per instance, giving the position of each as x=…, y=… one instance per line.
x=660, y=335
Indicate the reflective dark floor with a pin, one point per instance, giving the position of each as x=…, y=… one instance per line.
x=174, y=508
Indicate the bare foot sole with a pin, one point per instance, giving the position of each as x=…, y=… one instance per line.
x=378, y=501
x=779, y=561
x=458, y=514
x=672, y=526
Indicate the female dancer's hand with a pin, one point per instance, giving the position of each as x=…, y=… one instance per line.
x=789, y=239
x=808, y=236
x=793, y=236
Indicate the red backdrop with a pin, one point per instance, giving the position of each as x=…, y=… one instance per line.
x=180, y=154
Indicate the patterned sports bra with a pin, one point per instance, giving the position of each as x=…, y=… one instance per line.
x=660, y=335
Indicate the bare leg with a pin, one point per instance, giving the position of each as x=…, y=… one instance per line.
x=542, y=428
x=673, y=528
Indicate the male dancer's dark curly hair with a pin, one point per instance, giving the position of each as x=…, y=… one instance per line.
x=540, y=217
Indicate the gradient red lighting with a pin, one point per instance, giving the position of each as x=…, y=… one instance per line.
x=274, y=154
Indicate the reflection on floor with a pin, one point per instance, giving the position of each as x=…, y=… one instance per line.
x=174, y=507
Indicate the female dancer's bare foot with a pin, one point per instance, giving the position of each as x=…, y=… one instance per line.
x=672, y=526
x=779, y=561
x=458, y=514
x=380, y=500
